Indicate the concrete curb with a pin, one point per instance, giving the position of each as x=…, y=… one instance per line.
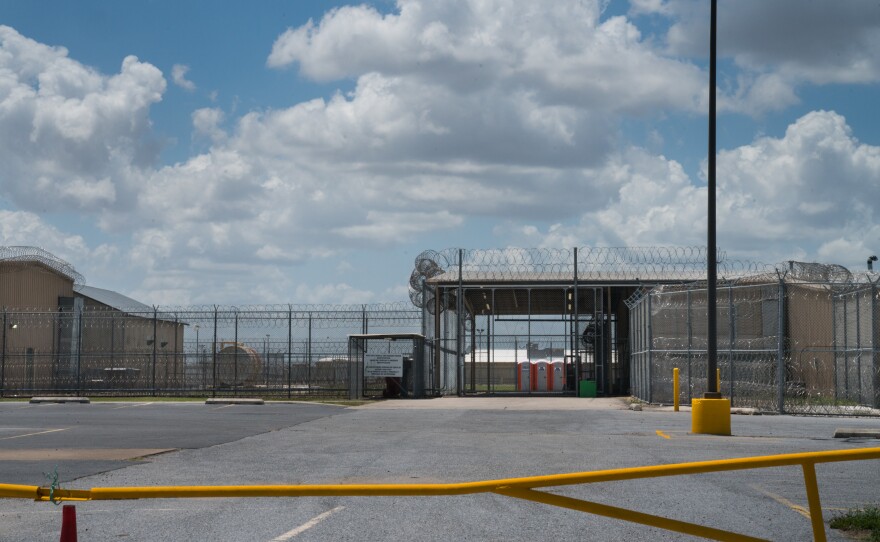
x=82, y=400
x=862, y=432
x=234, y=401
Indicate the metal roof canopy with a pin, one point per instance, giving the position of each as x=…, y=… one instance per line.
x=392, y=336
x=540, y=293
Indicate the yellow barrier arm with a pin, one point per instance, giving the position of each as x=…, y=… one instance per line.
x=522, y=488
x=627, y=515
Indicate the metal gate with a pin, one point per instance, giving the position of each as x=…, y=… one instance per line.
x=538, y=340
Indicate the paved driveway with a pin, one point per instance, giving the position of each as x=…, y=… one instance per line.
x=431, y=441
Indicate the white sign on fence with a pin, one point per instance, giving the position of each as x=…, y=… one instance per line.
x=379, y=365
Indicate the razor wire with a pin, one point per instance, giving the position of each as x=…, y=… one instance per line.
x=248, y=316
x=29, y=255
x=602, y=264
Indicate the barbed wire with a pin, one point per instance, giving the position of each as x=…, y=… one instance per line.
x=25, y=254
x=378, y=316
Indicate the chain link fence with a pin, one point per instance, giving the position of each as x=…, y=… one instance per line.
x=200, y=351
x=790, y=345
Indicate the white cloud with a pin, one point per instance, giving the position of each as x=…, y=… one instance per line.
x=333, y=294
x=648, y=7
x=461, y=111
x=809, y=194
x=563, y=54
x=398, y=227
x=779, y=45
x=178, y=75
x=21, y=228
x=69, y=136
x=206, y=122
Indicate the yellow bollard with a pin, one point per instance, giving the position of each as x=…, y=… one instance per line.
x=718, y=380
x=710, y=416
x=675, y=390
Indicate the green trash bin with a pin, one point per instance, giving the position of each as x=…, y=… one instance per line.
x=587, y=388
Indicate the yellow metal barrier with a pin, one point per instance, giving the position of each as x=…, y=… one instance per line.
x=520, y=488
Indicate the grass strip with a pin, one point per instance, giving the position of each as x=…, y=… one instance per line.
x=864, y=523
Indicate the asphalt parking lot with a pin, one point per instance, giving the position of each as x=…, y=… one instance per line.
x=439, y=440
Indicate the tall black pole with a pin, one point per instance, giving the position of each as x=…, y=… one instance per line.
x=711, y=256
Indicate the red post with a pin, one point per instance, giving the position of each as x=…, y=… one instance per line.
x=68, y=523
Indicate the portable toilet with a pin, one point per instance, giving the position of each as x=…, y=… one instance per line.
x=524, y=376
x=557, y=375
x=542, y=377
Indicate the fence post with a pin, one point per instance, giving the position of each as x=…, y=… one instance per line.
x=858, y=345
x=690, y=334
x=875, y=352
x=731, y=316
x=289, y=347
x=459, y=327
x=155, y=345
x=214, y=357
x=309, y=354
x=176, y=379
x=235, y=359
x=3, y=355
x=845, y=351
x=79, y=339
x=575, y=335
x=424, y=330
x=636, y=380
x=780, y=347
x=650, y=346
x=424, y=327
x=835, y=344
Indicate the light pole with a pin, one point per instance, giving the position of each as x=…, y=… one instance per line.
x=711, y=414
x=711, y=257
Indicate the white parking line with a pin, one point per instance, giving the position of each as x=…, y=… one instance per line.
x=132, y=406
x=307, y=525
x=37, y=433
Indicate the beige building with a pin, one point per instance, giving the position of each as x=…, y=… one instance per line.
x=60, y=335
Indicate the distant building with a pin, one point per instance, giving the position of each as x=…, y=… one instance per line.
x=59, y=334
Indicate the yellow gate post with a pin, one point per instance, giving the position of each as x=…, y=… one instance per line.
x=675, y=390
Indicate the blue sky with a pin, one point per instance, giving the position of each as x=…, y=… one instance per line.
x=307, y=152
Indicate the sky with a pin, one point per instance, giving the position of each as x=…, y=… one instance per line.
x=306, y=152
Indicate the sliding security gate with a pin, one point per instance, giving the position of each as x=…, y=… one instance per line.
x=538, y=340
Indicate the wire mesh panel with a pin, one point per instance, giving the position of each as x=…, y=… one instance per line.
x=856, y=372
x=796, y=345
x=388, y=365
x=255, y=350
